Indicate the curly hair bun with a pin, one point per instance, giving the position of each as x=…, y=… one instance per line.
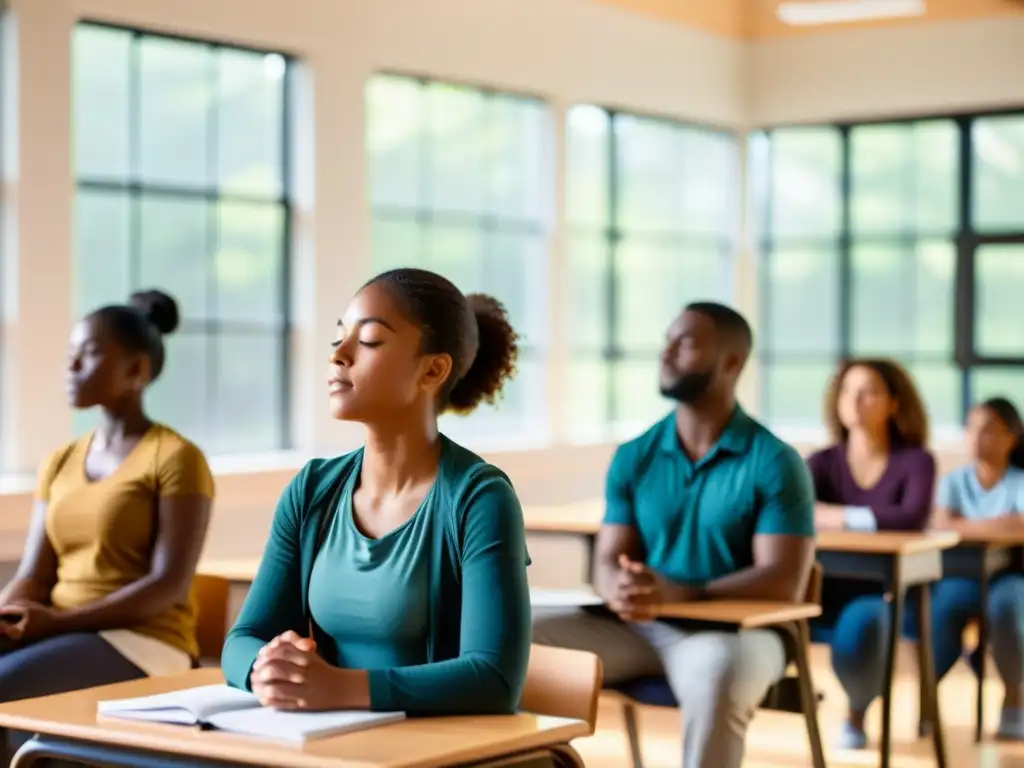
x=495, y=361
x=159, y=308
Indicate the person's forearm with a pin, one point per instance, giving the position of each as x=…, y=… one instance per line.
x=759, y=582
x=126, y=607
x=25, y=589
x=460, y=686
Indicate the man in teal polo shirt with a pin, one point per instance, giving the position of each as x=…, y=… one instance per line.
x=706, y=504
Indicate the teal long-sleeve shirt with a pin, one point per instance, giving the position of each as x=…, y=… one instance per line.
x=477, y=639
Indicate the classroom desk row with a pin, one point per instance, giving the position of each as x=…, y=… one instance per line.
x=67, y=726
x=67, y=723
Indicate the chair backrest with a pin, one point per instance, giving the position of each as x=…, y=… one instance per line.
x=211, y=595
x=563, y=683
x=814, y=581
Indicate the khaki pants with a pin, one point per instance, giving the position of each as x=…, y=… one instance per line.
x=719, y=678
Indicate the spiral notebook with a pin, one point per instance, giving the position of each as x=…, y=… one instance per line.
x=220, y=707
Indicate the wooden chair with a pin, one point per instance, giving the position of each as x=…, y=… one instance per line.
x=561, y=682
x=793, y=693
x=212, y=595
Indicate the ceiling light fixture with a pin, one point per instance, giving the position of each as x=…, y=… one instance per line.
x=839, y=11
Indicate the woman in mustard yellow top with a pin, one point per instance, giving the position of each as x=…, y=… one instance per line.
x=102, y=592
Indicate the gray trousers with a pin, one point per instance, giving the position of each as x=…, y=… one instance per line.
x=56, y=665
x=719, y=678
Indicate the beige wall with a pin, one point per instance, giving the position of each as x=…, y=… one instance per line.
x=563, y=50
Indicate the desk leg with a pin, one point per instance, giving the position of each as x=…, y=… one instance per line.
x=896, y=622
x=979, y=715
x=926, y=670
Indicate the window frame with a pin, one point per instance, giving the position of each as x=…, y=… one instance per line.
x=613, y=233
x=484, y=223
x=134, y=189
x=963, y=236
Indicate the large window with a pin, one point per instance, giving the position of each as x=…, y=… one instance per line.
x=180, y=155
x=459, y=184
x=894, y=239
x=651, y=208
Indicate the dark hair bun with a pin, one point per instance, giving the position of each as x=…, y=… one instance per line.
x=158, y=308
x=495, y=361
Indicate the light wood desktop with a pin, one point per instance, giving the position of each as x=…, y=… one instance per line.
x=68, y=722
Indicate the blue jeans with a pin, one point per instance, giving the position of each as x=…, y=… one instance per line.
x=956, y=601
x=856, y=621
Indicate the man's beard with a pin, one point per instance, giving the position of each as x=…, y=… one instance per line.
x=689, y=387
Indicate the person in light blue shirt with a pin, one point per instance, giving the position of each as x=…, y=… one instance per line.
x=991, y=486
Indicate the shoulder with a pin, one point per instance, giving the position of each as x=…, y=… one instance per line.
x=51, y=466
x=171, y=445
x=320, y=475
x=1015, y=478
x=913, y=460
x=825, y=458
x=632, y=456
x=464, y=473
x=771, y=452
x=957, y=477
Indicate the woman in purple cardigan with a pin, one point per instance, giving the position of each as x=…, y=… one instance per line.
x=877, y=476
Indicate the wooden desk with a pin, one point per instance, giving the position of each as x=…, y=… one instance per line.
x=68, y=729
x=239, y=570
x=900, y=561
x=987, y=548
x=579, y=520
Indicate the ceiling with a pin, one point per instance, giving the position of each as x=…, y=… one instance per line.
x=755, y=19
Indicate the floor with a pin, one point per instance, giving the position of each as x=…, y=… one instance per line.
x=777, y=739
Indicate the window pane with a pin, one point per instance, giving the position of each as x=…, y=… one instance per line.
x=457, y=145
x=395, y=114
x=710, y=184
x=637, y=396
x=174, y=111
x=246, y=408
x=650, y=173
x=998, y=382
x=656, y=280
x=250, y=122
x=793, y=393
x=180, y=397
x=937, y=178
x=455, y=252
x=998, y=145
x=903, y=299
x=101, y=72
x=102, y=248
x=587, y=311
x=587, y=382
x=904, y=177
x=998, y=309
x=939, y=385
x=518, y=158
x=175, y=241
x=805, y=181
x=587, y=172
x=514, y=272
x=802, y=297
x=249, y=262
x=396, y=243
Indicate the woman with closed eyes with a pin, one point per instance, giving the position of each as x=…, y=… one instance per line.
x=394, y=577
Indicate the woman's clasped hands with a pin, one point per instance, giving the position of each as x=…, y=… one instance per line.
x=289, y=674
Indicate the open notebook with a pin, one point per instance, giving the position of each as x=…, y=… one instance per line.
x=229, y=709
